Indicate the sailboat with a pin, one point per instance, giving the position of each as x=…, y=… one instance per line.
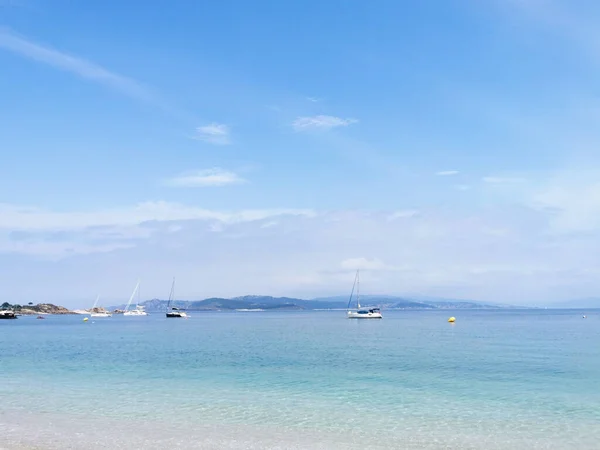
x=360, y=312
x=98, y=313
x=139, y=310
x=171, y=310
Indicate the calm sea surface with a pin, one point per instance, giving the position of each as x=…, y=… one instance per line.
x=296, y=380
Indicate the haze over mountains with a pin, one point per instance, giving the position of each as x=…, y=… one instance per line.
x=581, y=303
x=290, y=303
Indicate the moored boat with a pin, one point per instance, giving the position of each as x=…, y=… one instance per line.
x=361, y=312
x=98, y=312
x=173, y=312
x=139, y=309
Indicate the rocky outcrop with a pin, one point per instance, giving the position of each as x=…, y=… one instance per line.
x=44, y=308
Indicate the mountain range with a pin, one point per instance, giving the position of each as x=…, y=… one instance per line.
x=264, y=302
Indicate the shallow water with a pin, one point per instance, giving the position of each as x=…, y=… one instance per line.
x=493, y=380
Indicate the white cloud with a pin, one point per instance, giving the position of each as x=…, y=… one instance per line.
x=404, y=214
x=203, y=178
x=363, y=264
x=447, y=173
x=80, y=67
x=503, y=180
x=321, y=122
x=36, y=219
x=544, y=246
x=572, y=204
x=569, y=200
x=504, y=254
x=216, y=227
x=214, y=133
x=273, y=223
x=313, y=99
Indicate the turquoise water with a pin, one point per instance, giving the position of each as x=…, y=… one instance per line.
x=495, y=379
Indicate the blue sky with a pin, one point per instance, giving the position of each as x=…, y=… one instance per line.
x=446, y=148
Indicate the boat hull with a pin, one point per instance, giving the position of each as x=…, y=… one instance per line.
x=100, y=315
x=177, y=315
x=356, y=315
x=8, y=315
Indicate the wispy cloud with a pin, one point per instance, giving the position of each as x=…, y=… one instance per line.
x=571, y=199
x=270, y=224
x=28, y=218
x=363, y=263
x=562, y=18
x=321, y=122
x=31, y=50
x=503, y=180
x=56, y=235
x=313, y=99
x=447, y=173
x=205, y=178
x=404, y=214
x=214, y=133
x=371, y=265
x=439, y=254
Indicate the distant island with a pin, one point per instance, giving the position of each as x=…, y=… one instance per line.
x=269, y=303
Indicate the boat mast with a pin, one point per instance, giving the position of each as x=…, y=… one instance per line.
x=137, y=302
x=96, y=302
x=132, y=295
x=171, y=294
x=358, y=287
x=353, y=289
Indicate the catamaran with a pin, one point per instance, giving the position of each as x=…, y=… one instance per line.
x=171, y=310
x=360, y=312
x=98, y=313
x=139, y=309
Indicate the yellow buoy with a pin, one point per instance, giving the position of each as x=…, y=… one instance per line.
x=452, y=319
x=85, y=320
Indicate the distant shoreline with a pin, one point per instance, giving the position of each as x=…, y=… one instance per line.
x=282, y=304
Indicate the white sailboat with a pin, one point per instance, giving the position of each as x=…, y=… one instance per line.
x=139, y=310
x=171, y=310
x=98, y=313
x=360, y=312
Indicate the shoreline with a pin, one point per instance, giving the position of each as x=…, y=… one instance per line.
x=26, y=429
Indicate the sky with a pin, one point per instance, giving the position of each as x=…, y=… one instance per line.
x=446, y=149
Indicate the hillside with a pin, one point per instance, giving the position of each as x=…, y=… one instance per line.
x=288, y=303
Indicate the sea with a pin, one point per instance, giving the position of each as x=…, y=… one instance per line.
x=494, y=379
